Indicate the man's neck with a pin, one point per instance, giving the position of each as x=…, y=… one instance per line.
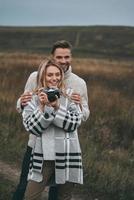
x=67, y=68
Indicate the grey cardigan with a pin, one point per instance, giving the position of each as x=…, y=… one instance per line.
x=62, y=125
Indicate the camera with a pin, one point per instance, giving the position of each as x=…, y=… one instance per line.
x=52, y=94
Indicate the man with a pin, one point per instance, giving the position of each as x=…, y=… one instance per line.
x=61, y=53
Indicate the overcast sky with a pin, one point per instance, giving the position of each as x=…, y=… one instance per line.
x=66, y=12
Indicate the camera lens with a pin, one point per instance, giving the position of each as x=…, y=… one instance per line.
x=53, y=94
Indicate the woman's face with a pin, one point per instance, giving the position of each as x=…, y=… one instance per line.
x=52, y=77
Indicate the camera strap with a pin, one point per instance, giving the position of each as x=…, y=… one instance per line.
x=69, y=92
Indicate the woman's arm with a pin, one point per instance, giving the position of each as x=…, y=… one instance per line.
x=34, y=119
x=68, y=118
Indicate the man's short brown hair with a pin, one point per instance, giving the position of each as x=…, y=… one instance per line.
x=61, y=44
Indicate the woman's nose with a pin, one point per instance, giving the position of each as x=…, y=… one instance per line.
x=54, y=77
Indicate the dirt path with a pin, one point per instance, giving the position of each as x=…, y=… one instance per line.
x=9, y=171
x=12, y=173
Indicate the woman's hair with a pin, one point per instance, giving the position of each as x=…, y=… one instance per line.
x=42, y=72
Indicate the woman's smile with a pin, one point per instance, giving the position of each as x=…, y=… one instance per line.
x=53, y=76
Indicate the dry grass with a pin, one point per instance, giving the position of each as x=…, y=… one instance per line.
x=104, y=66
x=20, y=59
x=106, y=138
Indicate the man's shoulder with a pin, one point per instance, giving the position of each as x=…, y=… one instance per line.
x=75, y=77
x=33, y=74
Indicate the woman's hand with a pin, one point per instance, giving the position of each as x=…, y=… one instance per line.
x=54, y=104
x=43, y=99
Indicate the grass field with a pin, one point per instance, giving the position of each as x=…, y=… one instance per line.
x=87, y=41
x=107, y=138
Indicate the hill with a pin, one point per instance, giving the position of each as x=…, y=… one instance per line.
x=88, y=41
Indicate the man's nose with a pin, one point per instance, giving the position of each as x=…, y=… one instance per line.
x=63, y=60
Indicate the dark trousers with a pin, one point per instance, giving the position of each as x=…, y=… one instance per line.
x=21, y=187
x=53, y=195
x=20, y=190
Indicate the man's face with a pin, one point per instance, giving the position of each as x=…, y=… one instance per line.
x=63, y=57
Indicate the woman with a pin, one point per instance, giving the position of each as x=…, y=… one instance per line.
x=56, y=151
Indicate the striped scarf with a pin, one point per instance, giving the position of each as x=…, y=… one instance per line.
x=68, y=161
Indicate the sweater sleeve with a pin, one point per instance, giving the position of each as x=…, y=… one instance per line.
x=68, y=118
x=34, y=120
x=84, y=104
x=29, y=87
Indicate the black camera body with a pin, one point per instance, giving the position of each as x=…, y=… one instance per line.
x=52, y=94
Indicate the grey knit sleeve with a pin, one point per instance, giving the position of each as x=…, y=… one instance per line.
x=29, y=87
x=68, y=118
x=34, y=120
x=85, y=106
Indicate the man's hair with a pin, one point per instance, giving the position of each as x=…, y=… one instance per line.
x=61, y=44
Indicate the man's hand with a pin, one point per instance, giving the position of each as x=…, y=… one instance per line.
x=76, y=98
x=25, y=98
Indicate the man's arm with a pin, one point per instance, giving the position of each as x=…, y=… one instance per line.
x=26, y=96
x=81, y=98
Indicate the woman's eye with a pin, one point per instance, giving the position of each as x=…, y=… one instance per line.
x=49, y=75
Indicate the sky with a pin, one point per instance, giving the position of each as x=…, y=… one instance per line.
x=66, y=12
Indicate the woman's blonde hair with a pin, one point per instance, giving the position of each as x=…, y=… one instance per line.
x=42, y=72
